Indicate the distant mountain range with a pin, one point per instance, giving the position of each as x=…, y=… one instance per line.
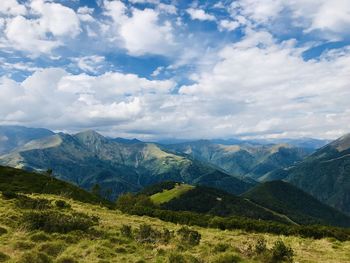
x=244, y=159
x=88, y=158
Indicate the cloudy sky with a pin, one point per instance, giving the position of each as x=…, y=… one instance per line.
x=154, y=69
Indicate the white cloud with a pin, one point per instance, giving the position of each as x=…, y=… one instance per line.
x=228, y=25
x=90, y=64
x=54, y=98
x=200, y=14
x=12, y=8
x=40, y=32
x=142, y=32
x=275, y=89
x=331, y=18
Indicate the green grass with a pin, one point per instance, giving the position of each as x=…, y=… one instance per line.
x=167, y=195
x=105, y=243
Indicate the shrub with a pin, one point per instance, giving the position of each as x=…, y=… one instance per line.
x=9, y=195
x=146, y=234
x=189, y=236
x=54, y=221
x=126, y=231
x=3, y=257
x=23, y=245
x=166, y=236
x=26, y=202
x=221, y=247
x=260, y=246
x=38, y=237
x=3, y=231
x=52, y=248
x=34, y=257
x=66, y=260
x=281, y=253
x=176, y=258
x=228, y=258
x=62, y=204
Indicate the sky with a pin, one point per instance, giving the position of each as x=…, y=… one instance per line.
x=153, y=69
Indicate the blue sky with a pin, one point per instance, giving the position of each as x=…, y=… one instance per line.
x=156, y=69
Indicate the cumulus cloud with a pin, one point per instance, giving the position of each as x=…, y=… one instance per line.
x=200, y=14
x=276, y=89
x=32, y=33
x=331, y=18
x=54, y=98
x=142, y=32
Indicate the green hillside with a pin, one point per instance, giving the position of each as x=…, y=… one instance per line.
x=299, y=206
x=167, y=195
x=324, y=174
x=20, y=181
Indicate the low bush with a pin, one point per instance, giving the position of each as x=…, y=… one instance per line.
x=188, y=236
x=23, y=245
x=3, y=231
x=3, y=257
x=54, y=221
x=260, y=246
x=62, y=204
x=52, y=248
x=66, y=260
x=25, y=202
x=281, y=252
x=40, y=237
x=176, y=258
x=146, y=234
x=9, y=195
x=126, y=231
x=221, y=247
x=228, y=258
x=34, y=257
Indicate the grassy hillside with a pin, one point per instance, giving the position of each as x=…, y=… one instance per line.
x=301, y=207
x=17, y=180
x=167, y=195
x=111, y=240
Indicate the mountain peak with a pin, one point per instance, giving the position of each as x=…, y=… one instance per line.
x=90, y=137
x=343, y=143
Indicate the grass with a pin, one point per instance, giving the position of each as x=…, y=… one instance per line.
x=167, y=195
x=105, y=243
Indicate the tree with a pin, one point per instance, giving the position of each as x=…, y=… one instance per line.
x=96, y=190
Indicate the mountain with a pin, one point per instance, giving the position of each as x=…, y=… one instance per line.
x=15, y=136
x=299, y=206
x=88, y=158
x=325, y=174
x=244, y=159
x=309, y=143
x=17, y=180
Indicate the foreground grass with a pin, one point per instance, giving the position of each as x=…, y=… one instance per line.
x=105, y=243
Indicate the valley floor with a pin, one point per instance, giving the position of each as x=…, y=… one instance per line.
x=107, y=244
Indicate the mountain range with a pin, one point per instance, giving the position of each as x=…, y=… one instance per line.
x=88, y=158
x=325, y=174
x=119, y=165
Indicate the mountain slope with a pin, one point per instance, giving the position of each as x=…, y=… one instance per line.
x=299, y=206
x=17, y=180
x=16, y=136
x=243, y=159
x=88, y=158
x=324, y=174
x=205, y=200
